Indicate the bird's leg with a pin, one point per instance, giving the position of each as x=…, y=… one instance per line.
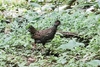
x=43, y=48
x=43, y=45
x=33, y=46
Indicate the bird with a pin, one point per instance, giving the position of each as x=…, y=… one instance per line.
x=43, y=36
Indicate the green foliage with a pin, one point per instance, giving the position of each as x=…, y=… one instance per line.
x=94, y=63
x=16, y=45
x=70, y=45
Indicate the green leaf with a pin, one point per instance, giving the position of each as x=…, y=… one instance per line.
x=94, y=63
x=62, y=60
x=35, y=5
x=70, y=45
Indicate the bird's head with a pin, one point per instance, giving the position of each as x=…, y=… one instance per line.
x=57, y=23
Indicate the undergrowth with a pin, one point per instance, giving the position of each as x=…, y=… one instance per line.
x=16, y=46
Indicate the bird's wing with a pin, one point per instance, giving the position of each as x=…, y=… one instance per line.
x=42, y=33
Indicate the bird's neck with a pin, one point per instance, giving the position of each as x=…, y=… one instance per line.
x=55, y=28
